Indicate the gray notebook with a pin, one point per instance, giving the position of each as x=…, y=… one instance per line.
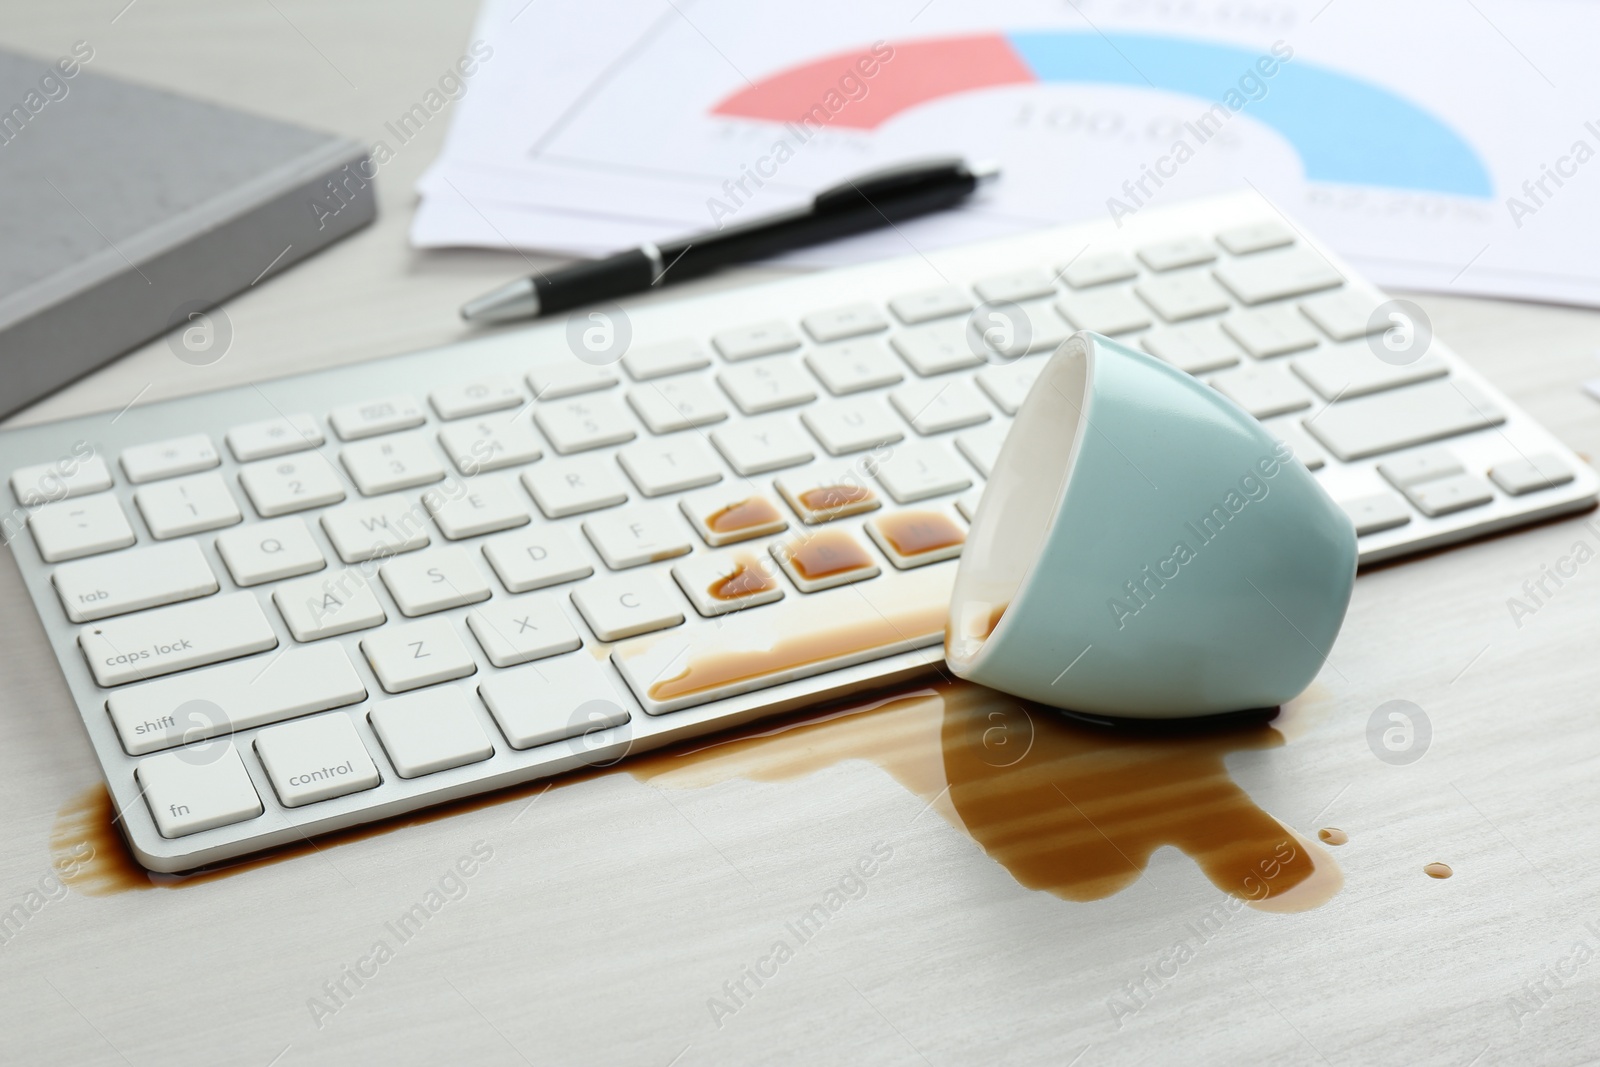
x=126, y=209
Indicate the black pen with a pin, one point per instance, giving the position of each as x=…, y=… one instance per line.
x=855, y=206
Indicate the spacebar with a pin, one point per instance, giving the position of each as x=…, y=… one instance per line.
x=795, y=638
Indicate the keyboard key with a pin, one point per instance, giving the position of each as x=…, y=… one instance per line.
x=1305, y=450
x=761, y=339
x=536, y=558
x=392, y=463
x=587, y=422
x=933, y=407
x=732, y=513
x=289, y=484
x=967, y=503
x=670, y=464
x=1375, y=513
x=372, y=529
x=489, y=445
x=937, y=348
x=853, y=366
x=1177, y=297
x=1400, y=418
x=1449, y=495
x=1008, y=385
x=315, y=760
x=132, y=581
x=63, y=480
x=425, y=733
x=414, y=654
x=916, y=538
x=273, y=437
x=1263, y=391
x=476, y=398
x=562, y=380
x=718, y=583
x=626, y=606
x=373, y=417
x=218, y=701
x=825, y=493
x=982, y=447
x=1041, y=330
x=1015, y=287
x=1344, y=373
x=1184, y=252
x=523, y=629
x=643, y=534
x=487, y=504
x=822, y=559
x=1271, y=331
x=1275, y=275
x=268, y=551
x=328, y=605
x=176, y=638
x=1099, y=269
x=921, y=470
x=186, y=795
x=1345, y=314
x=925, y=305
x=838, y=324
x=574, y=487
x=1519, y=476
x=434, y=581
x=759, y=446
x=767, y=386
x=852, y=425
x=71, y=529
x=1403, y=472
x=1107, y=311
x=166, y=459
x=1255, y=237
x=660, y=361
x=552, y=701
x=674, y=404
x=1195, y=349
x=187, y=505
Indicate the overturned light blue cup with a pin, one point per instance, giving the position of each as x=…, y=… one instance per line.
x=1146, y=549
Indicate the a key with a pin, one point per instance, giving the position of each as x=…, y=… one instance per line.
x=982, y=447
x=1183, y=252
x=276, y=436
x=1015, y=286
x=967, y=503
x=838, y=324
x=925, y=305
x=1400, y=418
x=1271, y=331
x=1039, y=328
x=411, y=655
x=763, y=445
x=920, y=470
x=166, y=459
x=937, y=347
x=821, y=559
x=1449, y=495
x=372, y=529
x=1305, y=450
x=1269, y=276
x=1403, y=472
x=486, y=504
x=673, y=404
x=219, y=701
x=489, y=445
x=132, y=581
x=475, y=398
x=1194, y=349
x=176, y=638
x=187, y=505
x=291, y=483
x=1375, y=513
x=583, y=423
x=434, y=581
x=62, y=480
x=1178, y=297
x=854, y=366
x=1099, y=269
x=1008, y=385
x=1255, y=237
x=827, y=492
x=85, y=526
x=187, y=795
x=536, y=558
x=768, y=385
x=425, y=733
x=937, y=406
x=370, y=418
x=660, y=361
x=670, y=464
x=639, y=535
x=627, y=605
x=561, y=380
x=1346, y=373
x=268, y=551
x=731, y=513
x=916, y=538
x=523, y=629
x=315, y=759
x=392, y=463
x=760, y=339
x=327, y=605
x=551, y=701
x=852, y=425
x=1346, y=314
x=1263, y=391
x=1519, y=476
x=718, y=583
x=574, y=486
x=1107, y=311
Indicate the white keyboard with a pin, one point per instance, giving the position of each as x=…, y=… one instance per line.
x=315, y=602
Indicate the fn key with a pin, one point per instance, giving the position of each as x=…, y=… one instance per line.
x=197, y=788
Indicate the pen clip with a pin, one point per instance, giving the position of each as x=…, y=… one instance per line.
x=889, y=181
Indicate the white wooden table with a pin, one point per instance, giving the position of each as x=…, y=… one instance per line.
x=613, y=916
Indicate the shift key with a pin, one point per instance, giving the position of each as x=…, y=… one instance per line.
x=153, y=643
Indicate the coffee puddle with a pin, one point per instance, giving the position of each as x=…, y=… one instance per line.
x=1070, y=809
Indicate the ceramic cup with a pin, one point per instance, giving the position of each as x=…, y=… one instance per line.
x=1145, y=549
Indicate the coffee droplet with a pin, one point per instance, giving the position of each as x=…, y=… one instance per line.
x=1332, y=835
x=1438, y=870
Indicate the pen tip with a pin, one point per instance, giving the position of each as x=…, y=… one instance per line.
x=985, y=170
x=512, y=301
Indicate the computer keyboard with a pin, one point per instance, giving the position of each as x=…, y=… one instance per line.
x=310, y=603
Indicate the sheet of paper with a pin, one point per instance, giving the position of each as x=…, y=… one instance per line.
x=1437, y=145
